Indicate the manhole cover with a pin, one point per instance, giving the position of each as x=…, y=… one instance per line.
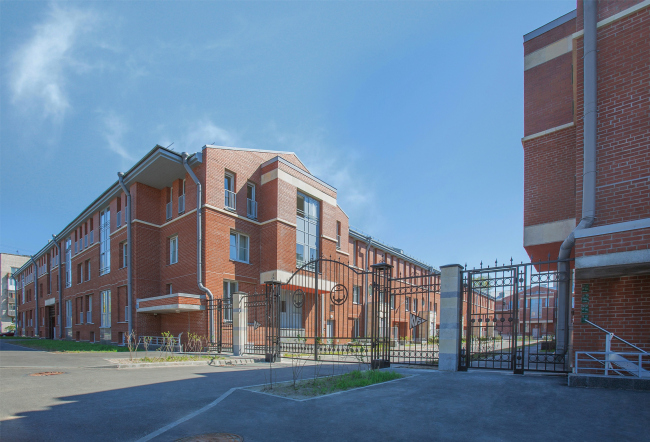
x=47, y=373
x=212, y=437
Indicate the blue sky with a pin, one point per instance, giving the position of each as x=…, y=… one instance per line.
x=413, y=110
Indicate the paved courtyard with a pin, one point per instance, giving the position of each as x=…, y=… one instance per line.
x=93, y=401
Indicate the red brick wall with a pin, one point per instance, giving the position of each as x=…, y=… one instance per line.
x=620, y=305
x=550, y=36
x=614, y=243
x=549, y=177
x=548, y=95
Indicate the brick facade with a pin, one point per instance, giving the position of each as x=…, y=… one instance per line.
x=618, y=300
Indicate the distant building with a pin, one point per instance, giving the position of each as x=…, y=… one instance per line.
x=9, y=263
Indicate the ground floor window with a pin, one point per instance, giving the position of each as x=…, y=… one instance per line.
x=106, y=308
x=229, y=287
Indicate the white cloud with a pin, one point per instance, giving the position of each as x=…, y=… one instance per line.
x=38, y=68
x=206, y=132
x=114, y=130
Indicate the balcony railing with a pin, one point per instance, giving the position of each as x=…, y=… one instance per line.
x=169, y=210
x=251, y=208
x=230, y=200
x=118, y=219
x=181, y=204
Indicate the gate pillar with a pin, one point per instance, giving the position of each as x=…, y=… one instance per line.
x=239, y=323
x=450, y=307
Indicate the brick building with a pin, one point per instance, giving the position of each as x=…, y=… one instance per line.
x=587, y=165
x=9, y=263
x=263, y=215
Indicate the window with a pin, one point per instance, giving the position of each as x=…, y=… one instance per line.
x=80, y=273
x=168, y=207
x=392, y=302
x=124, y=256
x=229, y=190
x=356, y=294
x=239, y=245
x=307, y=228
x=80, y=303
x=173, y=250
x=106, y=308
x=407, y=304
x=68, y=313
x=354, y=254
x=181, y=197
x=68, y=262
x=251, y=202
x=355, y=328
x=118, y=215
x=105, y=242
x=87, y=270
x=168, y=289
x=338, y=235
x=89, y=307
x=229, y=287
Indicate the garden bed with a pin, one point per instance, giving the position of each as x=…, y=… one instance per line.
x=311, y=388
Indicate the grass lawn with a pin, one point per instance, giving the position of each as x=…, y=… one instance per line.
x=325, y=385
x=64, y=346
x=174, y=358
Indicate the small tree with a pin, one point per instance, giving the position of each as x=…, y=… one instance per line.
x=132, y=342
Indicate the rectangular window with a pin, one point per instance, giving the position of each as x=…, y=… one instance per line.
x=251, y=202
x=106, y=308
x=239, y=247
x=80, y=303
x=105, y=242
x=307, y=230
x=407, y=304
x=354, y=253
x=89, y=308
x=181, y=197
x=173, y=250
x=229, y=287
x=356, y=294
x=124, y=255
x=355, y=328
x=168, y=289
x=80, y=273
x=229, y=190
x=68, y=262
x=118, y=215
x=68, y=313
x=87, y=272
x=168, y=207
x=392, y=302
x=338, y=235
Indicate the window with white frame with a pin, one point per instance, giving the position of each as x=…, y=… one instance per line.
x=125, y=254
x=307, y=228
x=251, y=202
x=356, y=294
x=407, y=304
x=106, y=308
x=181, y=198
x=229, y=287
x=229, y=191
x=68, y=262
x=68, y=313
x=239, y=247
x=89, y=313
x=105, y=242
x=173, y=250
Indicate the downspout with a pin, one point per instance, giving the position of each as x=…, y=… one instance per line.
x=129, y=268
x=58, y=251
x=365, y=285
x=199, y=245
x=35, y=297
x=590, y=118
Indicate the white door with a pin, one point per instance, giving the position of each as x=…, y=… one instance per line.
x=330, y=329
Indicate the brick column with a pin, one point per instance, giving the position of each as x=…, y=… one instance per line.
x=239, y=323
x=450, y=302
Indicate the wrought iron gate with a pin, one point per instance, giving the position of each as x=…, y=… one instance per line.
x=510, y=318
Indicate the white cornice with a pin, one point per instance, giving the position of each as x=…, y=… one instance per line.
x=547, y=131
x=616, y=17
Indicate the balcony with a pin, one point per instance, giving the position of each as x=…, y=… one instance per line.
x=181, y=204
x=230, y=200
x=169, y=211
x=251, y=208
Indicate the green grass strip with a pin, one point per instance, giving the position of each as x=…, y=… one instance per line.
x=66, y=346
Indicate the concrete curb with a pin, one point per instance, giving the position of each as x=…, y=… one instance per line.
x=213, y=363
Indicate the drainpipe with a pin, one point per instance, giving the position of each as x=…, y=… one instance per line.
x=199, y=245
x=58, y=250
x=365, y=286
x=129, y=268
x=590, y=120
x=35, y=297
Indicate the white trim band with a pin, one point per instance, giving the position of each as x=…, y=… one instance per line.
x=615, y=17
x=614, y=228
x=547, y=131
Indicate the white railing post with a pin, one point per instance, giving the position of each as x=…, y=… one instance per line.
x=239, y=323
x=608, y=349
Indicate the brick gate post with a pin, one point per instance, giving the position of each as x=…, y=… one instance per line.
x=239, y=323
x=450, y=303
